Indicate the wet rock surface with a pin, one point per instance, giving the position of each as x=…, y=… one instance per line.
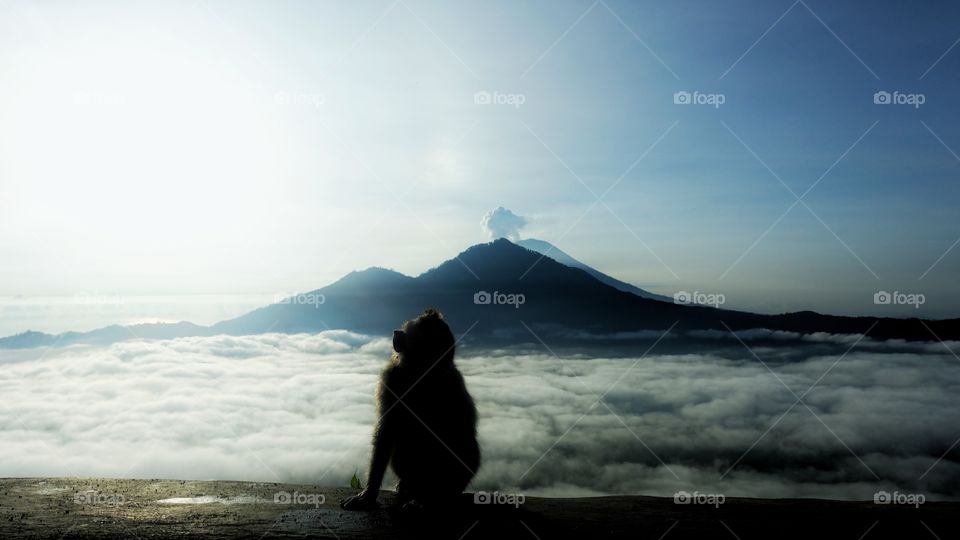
x=148, y=509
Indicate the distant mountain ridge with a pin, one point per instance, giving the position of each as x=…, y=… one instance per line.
x=473, y=290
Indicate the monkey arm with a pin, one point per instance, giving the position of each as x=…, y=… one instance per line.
x=384, y=438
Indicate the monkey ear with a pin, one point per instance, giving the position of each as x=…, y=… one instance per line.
x=399, y=341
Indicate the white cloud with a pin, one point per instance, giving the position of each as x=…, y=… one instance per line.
x=300, y=408
x=502, y=223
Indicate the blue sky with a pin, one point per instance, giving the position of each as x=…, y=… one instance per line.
x=248, y=147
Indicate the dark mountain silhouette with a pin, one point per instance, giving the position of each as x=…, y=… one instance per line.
x=558, y=298
x=558, y=301
x=546, y=248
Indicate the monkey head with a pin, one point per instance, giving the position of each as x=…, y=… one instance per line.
x=424, y=341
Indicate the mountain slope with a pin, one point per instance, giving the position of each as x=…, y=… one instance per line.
x=549, y=250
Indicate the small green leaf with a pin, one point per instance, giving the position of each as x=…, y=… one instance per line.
x=355, y=482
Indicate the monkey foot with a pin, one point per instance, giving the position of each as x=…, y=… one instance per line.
x=413, y=505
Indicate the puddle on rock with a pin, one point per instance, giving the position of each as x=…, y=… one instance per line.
x=209, y=499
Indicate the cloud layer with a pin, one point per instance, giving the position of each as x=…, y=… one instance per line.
x=299, y=408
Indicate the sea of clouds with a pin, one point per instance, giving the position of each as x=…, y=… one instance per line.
x=810, y=418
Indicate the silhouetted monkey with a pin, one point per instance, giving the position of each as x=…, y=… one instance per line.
x=427, y=429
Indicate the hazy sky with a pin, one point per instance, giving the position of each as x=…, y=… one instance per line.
x=237, y=147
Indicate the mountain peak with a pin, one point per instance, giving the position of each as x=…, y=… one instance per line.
x=498, y=244
x=372, y=275
x=498, y=260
